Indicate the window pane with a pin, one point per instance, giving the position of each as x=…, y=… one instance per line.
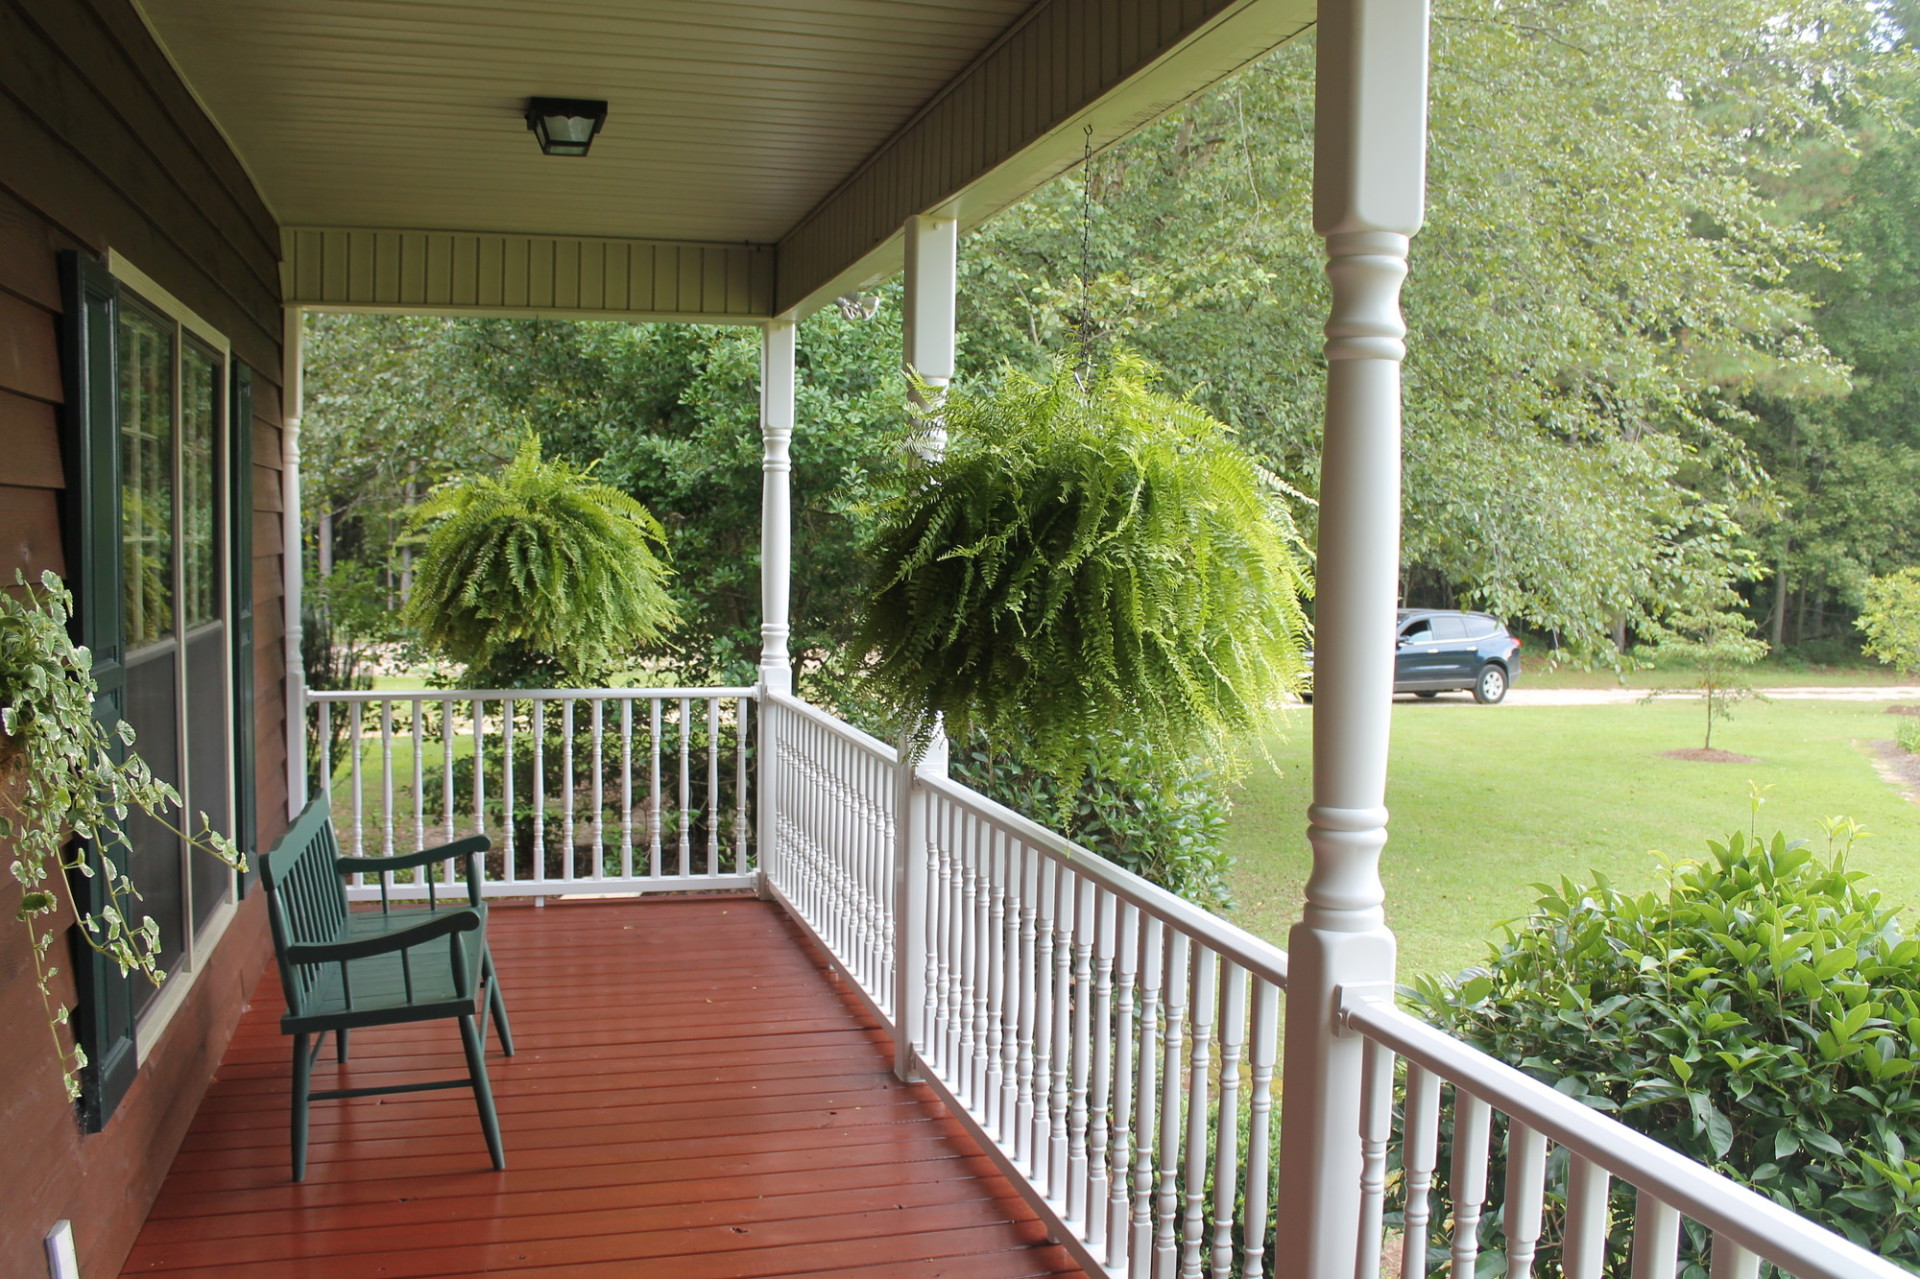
x=1449, y=628
x=199, y=506
x=146, y=475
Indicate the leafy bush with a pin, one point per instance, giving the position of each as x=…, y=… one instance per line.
x=1760, y=1013
x=1085, y=557
x=540, y=576
x=1165, y=824
x=1908, y=735
x=1891, y=619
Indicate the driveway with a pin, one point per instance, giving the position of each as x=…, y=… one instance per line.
x=1521, y=695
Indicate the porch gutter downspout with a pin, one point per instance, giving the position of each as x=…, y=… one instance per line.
x=1369, y=178
x=293, y=574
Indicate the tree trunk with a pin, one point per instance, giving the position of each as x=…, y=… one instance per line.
x=1778, y=620
x=323, y=543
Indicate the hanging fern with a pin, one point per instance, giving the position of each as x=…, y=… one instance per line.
x=1085, y=562
x=538, y=576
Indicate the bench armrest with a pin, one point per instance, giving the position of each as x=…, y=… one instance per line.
x=456, y=921
x=470, y=847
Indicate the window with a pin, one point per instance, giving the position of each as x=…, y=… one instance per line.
x=158, y=469
x=1449, y=628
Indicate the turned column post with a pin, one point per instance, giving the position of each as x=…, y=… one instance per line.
x=1369, y=149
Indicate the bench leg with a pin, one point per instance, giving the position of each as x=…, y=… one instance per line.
x=340, y=1045
x=496, y=1005
x=302, y=1081
x=482, y=1091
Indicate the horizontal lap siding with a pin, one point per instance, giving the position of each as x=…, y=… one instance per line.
x=101, y=147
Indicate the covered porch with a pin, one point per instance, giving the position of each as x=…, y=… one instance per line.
x=695, y=1094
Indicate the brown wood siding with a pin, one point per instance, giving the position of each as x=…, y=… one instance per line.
x=102, y=148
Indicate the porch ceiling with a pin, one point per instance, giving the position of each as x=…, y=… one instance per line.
x=812, y=129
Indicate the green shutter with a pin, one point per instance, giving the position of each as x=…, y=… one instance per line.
x=246, y=792
x=104, y=1016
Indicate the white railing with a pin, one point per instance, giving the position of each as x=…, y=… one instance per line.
x=1114, y=1048
x=591, y=790
x=1745, y=1229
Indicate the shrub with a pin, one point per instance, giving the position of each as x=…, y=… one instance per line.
x=1908, y=735
x=1760, y=1013
x=1165, y=824
x=1891, y=619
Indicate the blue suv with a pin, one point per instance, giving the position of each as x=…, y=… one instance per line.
x=1440, y=650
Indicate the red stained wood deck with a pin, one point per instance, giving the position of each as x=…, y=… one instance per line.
x=694, y=1097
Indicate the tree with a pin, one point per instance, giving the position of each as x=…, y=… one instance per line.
x=540, y=578
x=1891, y=619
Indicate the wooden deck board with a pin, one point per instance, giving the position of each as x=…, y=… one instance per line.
x=693, y=1097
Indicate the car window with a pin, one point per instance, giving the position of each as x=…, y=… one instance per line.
x=1449, y=628
x=1417, y=632
x=1479, y=626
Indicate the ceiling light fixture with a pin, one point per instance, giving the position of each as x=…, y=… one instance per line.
x=565, y=126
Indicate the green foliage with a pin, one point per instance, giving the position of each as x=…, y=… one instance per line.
x=1891, y=619
x=1165, y=824
x=1760, y=1013
x=60, y=781
x=1083, y=559
x=540, y=576
x=1908, y=735
x=1705, y=635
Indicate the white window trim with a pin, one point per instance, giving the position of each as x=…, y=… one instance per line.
x=199, y=943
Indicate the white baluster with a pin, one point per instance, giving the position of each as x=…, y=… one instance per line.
x=567, y=789
x=509, y=854
x=993, y=1108
x=712, y=808
x=356, y=712
x=598, y=729
x=654, y=858
x=1226, y=1166
x=1166, y=1204
x=1061, y=1008
x=1044, y=1041
x=1472, y=1123
x=448, y=830
x=419, y=786
x=740, y=727
x=1583, y=1255
x=1100, y=1085
x=979, y=843
x=1200, y=1062
x=1153, y=981
x=1084, y=929
x=1732, y=1260
x=1028, y=882
x=326, y=744
x=1376, y=1132
x=1421, y=1153
x=626, y=788
x=1656, y=1238
x=683, y=826
x=1262, y=1051
x=538, y=726
x=1526, y=1181
x=386, y=786
x=1120, y=1153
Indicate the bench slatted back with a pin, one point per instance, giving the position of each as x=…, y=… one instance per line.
x=306, y=902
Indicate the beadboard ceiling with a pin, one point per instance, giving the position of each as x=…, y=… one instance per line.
x=728, y=120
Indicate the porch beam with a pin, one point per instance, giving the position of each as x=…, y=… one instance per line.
x=930, y=288
x=1014, y=119
x=1369, y=179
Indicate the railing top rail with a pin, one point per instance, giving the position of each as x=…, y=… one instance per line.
x=1732, y=1211
x=1260, y=958
x=521, y=694
x=833, y=724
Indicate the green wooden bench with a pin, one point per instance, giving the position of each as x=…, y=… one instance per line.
x=342, y=969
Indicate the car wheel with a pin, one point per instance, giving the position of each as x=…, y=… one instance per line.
x=1491, y=687
x=1427, y=695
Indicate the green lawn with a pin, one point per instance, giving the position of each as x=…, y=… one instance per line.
x=1534, y=674
x=1489, y=800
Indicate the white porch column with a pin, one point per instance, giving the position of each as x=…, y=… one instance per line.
x=1369, y=173
x=927, y=322
x=292, y=561
x=776, y=502
x=927, y=330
